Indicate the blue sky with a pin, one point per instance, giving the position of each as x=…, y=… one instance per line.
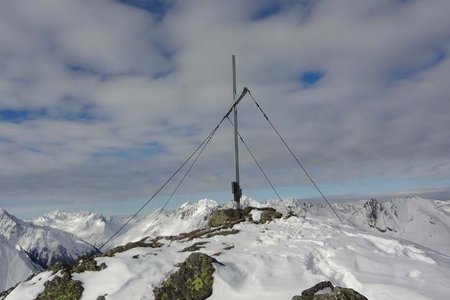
x=100, y=101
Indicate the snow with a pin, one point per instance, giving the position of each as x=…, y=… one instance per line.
x=96, y=228
x=30, y=289
x=44, y=244
x=15, y=266
x=280, y=259
x=256, y=215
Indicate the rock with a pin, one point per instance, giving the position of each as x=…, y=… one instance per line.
x=194, y=247
x=193, y=281
x=87, y=264
x=268, y=215
x=225, y=216
x=326, y=291
x=154, y=243
x=62, y=288
x=248, y=209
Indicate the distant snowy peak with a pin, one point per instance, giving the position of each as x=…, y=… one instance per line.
x=58, y=215
x=91, y=227
x=203, y=206
x=245, y=202
x=44, y=245
x=7, y=217
x=86, y=225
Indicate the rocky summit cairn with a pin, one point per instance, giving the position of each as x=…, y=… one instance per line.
x=326, y=291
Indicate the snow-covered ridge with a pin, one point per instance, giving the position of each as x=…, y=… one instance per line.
x=274, y=261
x=419, y=220
x=422, y=221
x=44, y=245
x=96, y=228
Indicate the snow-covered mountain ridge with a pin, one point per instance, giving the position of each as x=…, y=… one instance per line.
x=418, y=220
x=275, y=260
x=35, y=245
x=96, y=228
x=404, y=241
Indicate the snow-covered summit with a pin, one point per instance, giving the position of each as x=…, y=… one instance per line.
x=200, y=207
x=245, y=202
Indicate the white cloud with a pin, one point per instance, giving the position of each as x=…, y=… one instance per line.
x=379, y=111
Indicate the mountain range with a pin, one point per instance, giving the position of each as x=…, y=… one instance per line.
x=27, y=248
x=401, y=244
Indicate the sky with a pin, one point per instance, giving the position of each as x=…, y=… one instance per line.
x=101, y=100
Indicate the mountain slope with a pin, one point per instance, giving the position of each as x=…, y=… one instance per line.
x=15, y=265
x=418, y=220
x=44, y=245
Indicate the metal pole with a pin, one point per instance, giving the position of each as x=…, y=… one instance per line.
x=235, y=186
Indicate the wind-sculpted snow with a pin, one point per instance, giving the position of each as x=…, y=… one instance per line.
x=277, y=260
x=44, y=245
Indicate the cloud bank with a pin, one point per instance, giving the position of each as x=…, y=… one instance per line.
x=101, y=100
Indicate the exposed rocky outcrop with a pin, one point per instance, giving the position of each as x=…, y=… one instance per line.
x=268, y=215
x=145, y=243
x=326, y=291
x=194, y=247
x=222, y=217
x=63, y=286
x=193, y=281
x=374, y=211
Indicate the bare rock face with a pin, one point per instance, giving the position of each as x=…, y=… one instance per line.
x=326, y=291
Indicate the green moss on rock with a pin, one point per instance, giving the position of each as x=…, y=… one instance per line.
x=87, y=264
x=193, y=281
x=62, y=288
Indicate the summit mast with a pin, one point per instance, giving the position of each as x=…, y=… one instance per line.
x=236, y=189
